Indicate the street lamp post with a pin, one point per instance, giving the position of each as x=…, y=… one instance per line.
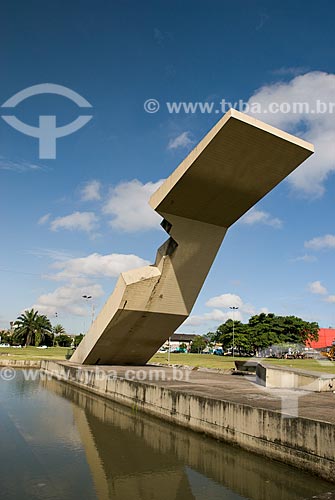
x=87, y=298
x=53, y=341
x=169, y=352
x=233, y=308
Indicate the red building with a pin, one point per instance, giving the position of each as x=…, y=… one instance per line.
x=326, y=338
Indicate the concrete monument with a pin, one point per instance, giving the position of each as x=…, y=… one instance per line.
x=237, y=163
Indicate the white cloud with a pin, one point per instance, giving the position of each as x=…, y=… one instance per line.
x=42, y=220
x=321, y=242
x=91, y=191
x=317, y=288
x=50, y=253
x=78, y=274
x=224, y=301
x=67, y=299
x=19, y=166
x=316, y=127
x=305, y=258
x=128, y=204
x=98, y=266
x=255, y=216
x=290, y=70
x=181, y=141
x=77, y=221
x=216, y=315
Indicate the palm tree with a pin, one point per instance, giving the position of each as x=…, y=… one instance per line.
x=25, y=327
x=43, y=327
x=58, y=329
x=29, y=325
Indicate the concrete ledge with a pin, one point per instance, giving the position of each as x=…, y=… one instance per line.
x=289, y=378
x=304, y=443
x=21, y=363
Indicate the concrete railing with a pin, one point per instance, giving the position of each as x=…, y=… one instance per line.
x=290, y=378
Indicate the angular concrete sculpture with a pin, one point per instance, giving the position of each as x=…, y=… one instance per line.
x=238, y=162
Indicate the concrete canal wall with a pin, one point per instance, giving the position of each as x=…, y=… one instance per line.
x=20, y=363
x=302, y=442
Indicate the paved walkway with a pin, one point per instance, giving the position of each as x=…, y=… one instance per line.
x=228, y=387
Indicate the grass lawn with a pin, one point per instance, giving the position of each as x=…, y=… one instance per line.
x=197, y=360
x=33, y=353
x=305, y=364
x=227, y=362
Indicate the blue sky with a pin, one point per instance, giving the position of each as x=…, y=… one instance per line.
x=71, y=224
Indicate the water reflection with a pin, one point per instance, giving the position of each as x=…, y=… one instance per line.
x=41, y=453
x=58, y=442
x=134, y=456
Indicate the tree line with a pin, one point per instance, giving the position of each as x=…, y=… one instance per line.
x=261, y=332
x=34, y=329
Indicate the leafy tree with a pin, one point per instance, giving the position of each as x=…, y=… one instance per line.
x=6, y=337
x=264, y=330
x=25, y=327
x=49, y=339
x=64, y=341
x=78, y=339
x=58, y=329
x=198, y=344
x=31, y=328
x=224, y=335
x=267, y=329
x=43, y=332
x=212, y=337
x=183, y=347
x=299, y=331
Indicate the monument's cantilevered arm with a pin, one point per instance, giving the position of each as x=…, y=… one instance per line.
x=237, y=163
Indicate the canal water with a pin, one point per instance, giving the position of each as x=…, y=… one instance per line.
x=57, y=442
